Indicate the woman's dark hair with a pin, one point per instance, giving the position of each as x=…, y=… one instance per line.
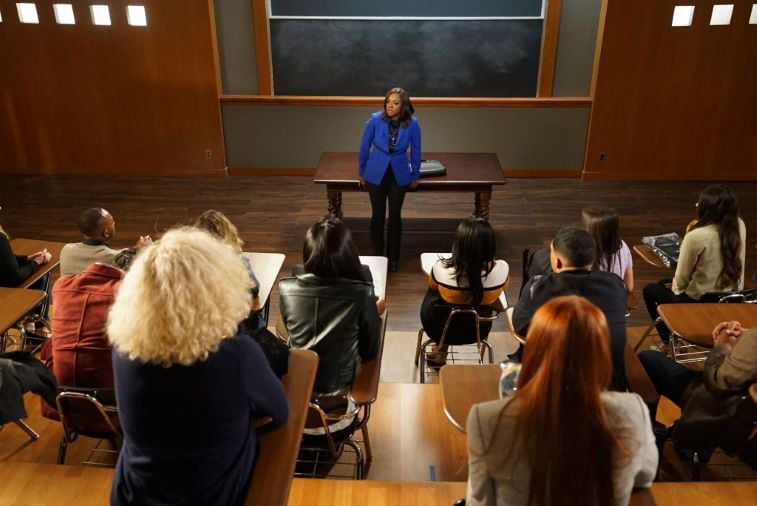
x=406, y=111
x=603, y=223
x=329, y=251
x=718, y=206
x=473, y=252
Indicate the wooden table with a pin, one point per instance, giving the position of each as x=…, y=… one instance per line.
x=695, y=322
x=466, y=172
x=24, y=247
x=266, y=267
x=465, y=385
x=14, y=304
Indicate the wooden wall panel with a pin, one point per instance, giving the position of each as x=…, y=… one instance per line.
x=117, y=99
x=673, y=103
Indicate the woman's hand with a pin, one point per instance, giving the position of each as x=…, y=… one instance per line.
x=414, y=184
x=41, y=257
x=380, y=304
x=361, y=184
x=727, y=334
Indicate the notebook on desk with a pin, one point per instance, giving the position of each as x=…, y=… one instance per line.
x=666, y=246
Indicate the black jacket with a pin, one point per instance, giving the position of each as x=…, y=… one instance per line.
x=604, y=289
x=334, y=317
x=14, y=269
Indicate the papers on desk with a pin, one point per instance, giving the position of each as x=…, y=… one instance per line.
x=666, y=246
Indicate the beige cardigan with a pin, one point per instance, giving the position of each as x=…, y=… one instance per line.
x=494, y=482
x=700, y=262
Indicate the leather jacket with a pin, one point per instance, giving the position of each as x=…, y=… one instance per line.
x=334, y=317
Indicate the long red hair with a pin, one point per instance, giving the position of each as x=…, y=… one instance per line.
x=560, y=418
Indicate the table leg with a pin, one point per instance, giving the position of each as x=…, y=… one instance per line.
x=335, y=202
x=482, y=204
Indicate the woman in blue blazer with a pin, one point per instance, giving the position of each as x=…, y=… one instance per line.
x=385, y=170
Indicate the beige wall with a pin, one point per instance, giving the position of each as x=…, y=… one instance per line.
x=293, y=136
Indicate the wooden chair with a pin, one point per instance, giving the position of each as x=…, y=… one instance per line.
x=278, y=448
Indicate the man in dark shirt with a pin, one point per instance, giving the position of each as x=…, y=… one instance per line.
x=571, y=256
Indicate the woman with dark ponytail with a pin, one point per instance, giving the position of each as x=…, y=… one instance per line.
x=712, y=254
x=471, y=276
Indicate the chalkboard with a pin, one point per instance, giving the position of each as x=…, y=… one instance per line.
x=429, y=58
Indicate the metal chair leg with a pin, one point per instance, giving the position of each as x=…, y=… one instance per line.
x=62, y=450
x=418, y=346
x=359, y=462
x=26, y=428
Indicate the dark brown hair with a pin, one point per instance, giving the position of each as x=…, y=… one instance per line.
x=330, y=252
x=603, y=223
x=406, y=110
x=719, y=206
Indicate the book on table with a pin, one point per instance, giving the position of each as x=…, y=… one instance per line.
x=666, y=246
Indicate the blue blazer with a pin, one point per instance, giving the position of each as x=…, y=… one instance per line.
x=374, y=162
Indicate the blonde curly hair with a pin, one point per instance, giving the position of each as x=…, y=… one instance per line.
x=219, y=226
x=181, y=297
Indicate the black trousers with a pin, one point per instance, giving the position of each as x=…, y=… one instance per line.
x=656, y=294
x=387, y=190
x=669, y=378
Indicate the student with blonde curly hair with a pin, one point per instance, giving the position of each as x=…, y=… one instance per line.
x=189, y=388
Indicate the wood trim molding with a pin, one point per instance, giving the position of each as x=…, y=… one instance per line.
x=542, y=173
x=549, y=39
x=310, y=172
x=598, y=46
x=419, y=101
x=262, y=46
x=270, y=171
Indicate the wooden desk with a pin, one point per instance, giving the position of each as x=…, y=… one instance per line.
x=28, y=246
x=378, y=267
x=465, y=385
x=695, y=322
x=15, y=303
x=266, y=267
x=466, y=172
x=646, y=253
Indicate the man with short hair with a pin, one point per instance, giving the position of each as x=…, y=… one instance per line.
x=98, y=228
x=571, y=257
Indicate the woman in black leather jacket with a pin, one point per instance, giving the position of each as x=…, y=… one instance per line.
x=330, y=308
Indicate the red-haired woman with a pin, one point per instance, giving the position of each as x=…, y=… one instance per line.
x=562, y=439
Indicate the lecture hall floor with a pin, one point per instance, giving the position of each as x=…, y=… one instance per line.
x=272, y=214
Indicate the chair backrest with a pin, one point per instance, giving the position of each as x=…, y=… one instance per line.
x=82, y=414
x=278, y=448
x=748, y=296
x=535, y=262
x=510, y=327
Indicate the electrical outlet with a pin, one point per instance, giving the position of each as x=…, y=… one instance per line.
x=208, y=154
x=601, y=157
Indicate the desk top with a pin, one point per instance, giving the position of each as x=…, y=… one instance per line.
x=266, y=267
x=646, y=253
x=462, y=169
x=23, y=246
x=695, y=322
x=15, y=303
x=465, y=385
x=378, y=267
